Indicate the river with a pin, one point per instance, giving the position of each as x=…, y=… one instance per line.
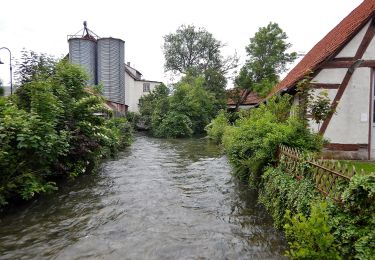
x=158, y=199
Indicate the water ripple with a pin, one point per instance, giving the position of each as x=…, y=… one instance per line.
x=159, y=199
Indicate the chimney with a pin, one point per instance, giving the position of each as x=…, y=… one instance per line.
x=128, y=63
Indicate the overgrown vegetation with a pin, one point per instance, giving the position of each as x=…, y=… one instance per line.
x=268, y=58
x=49, y=129
x=310, y=237
x=251, y=143
x=183, y=113
x=316, y=227
x=215, y=130
x=190, y=104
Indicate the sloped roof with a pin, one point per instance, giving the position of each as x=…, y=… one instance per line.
x=329, y=45
x=251, y=99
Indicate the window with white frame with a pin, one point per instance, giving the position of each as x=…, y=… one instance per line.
x=146, y=87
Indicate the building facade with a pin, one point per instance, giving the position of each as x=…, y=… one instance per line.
x=343, y=64
x=136, y=87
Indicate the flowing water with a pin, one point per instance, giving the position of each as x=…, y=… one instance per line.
x=159, y=199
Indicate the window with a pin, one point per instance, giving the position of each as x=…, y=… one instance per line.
x=146, y=87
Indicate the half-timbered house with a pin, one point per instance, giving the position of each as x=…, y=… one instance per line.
x=343, y=64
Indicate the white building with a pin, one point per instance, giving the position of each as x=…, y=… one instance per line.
x=343, y=64
x=136, y=87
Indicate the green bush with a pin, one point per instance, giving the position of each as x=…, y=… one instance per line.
x=353, y=222
x=133, y=118
x=215, y=130
x=49, y=129
x=190, y=102
x=310, y=237
x=280, y=192
x=174, y=125
x=350, y=223
x=251, y=144
x=154, y=101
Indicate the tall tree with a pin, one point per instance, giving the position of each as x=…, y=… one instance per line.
x=34, y=66
x=195, y=50
x=267, y=59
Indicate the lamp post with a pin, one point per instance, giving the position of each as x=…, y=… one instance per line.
x=10, y=68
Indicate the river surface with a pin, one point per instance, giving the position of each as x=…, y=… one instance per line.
x=159, y=199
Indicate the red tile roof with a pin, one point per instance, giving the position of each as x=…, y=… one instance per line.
x=329, y=45
x=251, y=99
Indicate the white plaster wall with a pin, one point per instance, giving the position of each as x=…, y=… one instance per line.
x=351, y=47
x=135, y=92
x=346, y=125
x=129, y=85
x=330, y=76
x=370, y=51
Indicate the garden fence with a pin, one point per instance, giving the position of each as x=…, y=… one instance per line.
x=329, y=175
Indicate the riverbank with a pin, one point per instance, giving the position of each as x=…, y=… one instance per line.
x=54, y=127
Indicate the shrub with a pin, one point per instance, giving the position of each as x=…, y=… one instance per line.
x=280, y=192
x=252, y=142
x=349, y=223
x=148, y=104
x=190, y=102
x=133, y=118
x=216, y=128
x=49, y=129
x=310, y=237
x=353, y=222
x=175, y=125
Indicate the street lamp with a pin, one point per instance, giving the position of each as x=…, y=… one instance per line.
x=10, y=68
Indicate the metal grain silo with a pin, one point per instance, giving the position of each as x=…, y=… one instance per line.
x=111, y=68
x=83, y=51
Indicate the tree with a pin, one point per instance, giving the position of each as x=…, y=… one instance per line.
x=51, y=130
x=33, y=65
x=185, y=112
x=267, y=59
x=195, y=50
x=148, y=104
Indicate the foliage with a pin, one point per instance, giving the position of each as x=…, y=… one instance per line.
x=133, y=118
x=121, y=131
x=310, y=237
x=149, y=103
x=353, y=223
x=346, y=228
x=195, y=50
x=215, y=130
x=192, y=100
x=174, y=125
x=280, y=192
x=49, y=130
x=320, y=107
x=252, y=142
x=267, y=59
x=187, y=111
x=33, y=66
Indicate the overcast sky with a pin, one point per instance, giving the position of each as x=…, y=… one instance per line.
x=43, y=26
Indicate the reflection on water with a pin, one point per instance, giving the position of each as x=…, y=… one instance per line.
x=160, y=199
